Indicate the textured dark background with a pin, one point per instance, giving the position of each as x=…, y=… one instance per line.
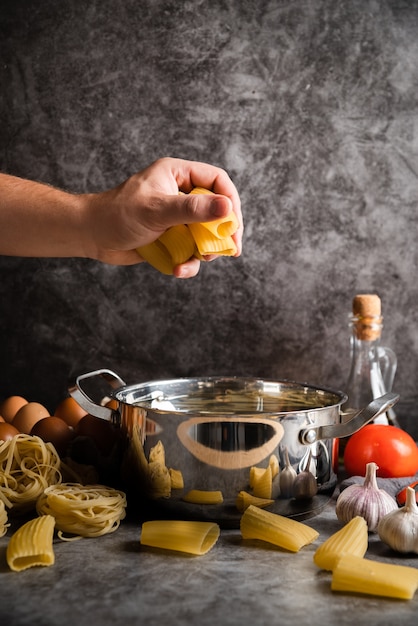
x=312, y=109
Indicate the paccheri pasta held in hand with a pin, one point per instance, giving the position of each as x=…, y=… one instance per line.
x=180, y=243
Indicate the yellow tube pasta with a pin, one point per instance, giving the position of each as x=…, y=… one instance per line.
x=159, y=480
x=31, y=544
x=281, y=531
x=255, y=474
x=182, y=536
x=208, y=243
x=353, y=538
x=179, y=242
x=245, y=499
x=198, y=496
x=173, y=247
x=357, y=575
x=214, y=237
x=157, y=453
x=176, y=477
x=263, y=484
x=274, y=465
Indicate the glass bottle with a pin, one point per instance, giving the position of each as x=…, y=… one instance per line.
x=373, y=366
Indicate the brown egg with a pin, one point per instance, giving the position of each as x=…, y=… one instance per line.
x=54, y=430
x=100, y=431
x=10, y=406
x=7, y=431
x=70, y=411
x=112, y=404
x=2, y=420
x=28, y=415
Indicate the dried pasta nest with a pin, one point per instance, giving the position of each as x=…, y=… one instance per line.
x=83, y=510
x=3, y=519
x=28, y=466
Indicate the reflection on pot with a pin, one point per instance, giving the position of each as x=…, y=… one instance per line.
x=230, y=444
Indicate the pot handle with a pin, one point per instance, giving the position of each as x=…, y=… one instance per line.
x=363, y=417
x=80, y=396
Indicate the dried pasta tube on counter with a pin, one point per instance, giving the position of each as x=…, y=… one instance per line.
x=281, y=531
x=353, y=538
x=182, y=536
x=31, y=544
x=358, y=575
x=199, y=496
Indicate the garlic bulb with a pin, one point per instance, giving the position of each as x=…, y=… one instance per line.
x=287, y=478
x=305, y=485
x=399, y=529
x=366, y=500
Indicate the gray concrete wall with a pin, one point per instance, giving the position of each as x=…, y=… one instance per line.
x=312, y=109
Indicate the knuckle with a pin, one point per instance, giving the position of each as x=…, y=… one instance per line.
x=191, y=204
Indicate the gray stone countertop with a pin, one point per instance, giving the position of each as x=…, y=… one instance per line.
x=115, y=580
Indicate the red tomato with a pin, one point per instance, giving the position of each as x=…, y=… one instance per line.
x=401, y=495
x=391, y=448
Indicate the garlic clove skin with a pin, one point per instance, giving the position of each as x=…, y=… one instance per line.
x=305, y=486
x=399, y=529
x=287, y=478
x=366, y=500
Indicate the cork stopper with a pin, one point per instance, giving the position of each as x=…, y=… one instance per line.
x=367, y=319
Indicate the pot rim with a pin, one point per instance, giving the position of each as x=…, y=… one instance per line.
x=143, y=394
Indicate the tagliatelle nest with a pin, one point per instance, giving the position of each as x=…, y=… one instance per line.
x=83, y=510
x=28, y=466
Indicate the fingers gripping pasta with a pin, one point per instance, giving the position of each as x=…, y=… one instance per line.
x=179, y=243
x=83, y=510
x=27, y=467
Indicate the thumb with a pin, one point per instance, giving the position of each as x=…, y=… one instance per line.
x=190, y=208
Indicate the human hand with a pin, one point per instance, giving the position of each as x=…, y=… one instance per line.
x=139, y=210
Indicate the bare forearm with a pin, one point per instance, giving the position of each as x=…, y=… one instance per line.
x=39, y=220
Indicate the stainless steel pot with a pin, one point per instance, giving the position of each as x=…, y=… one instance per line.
x=214, y=429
